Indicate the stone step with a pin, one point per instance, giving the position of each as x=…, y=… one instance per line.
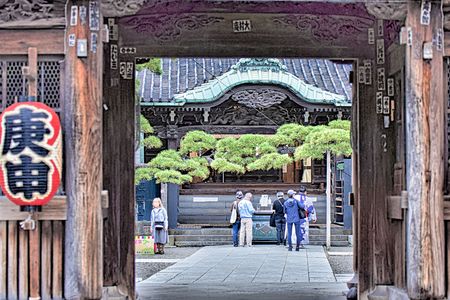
x=227, y=237
x=225, y=231
x=204, y=243
x=201, y=243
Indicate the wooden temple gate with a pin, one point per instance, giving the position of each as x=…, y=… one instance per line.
x=399, y=129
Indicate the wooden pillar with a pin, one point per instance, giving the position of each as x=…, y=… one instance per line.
x=83, y=152
x=425, y=144
x=118, y=167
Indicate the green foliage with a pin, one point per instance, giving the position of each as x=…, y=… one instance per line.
x=223, y=165
x=168, y=159
x=197, y=167
x=145, y=125
x=290, y=134
x=340, y=124
x=154, y=65
x=319, y=141
x=169, y=167
x=172, y=176
x=197, y=141
x=149, y=141
x=270, y=161
x=142, y=173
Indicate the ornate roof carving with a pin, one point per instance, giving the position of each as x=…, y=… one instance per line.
x=388, y=11
x=262, y=71
x=119, y=8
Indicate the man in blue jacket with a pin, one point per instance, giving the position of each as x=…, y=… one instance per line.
x=291, y=207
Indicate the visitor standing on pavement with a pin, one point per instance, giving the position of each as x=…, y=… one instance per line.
x=310, y=216
x=235, y=218
x=280, y=220
x=246, y=211
x=291, y=207
x=159, y=225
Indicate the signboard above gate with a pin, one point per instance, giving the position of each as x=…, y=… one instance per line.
x=30, y=153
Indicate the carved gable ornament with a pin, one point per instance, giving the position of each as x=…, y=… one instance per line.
x=263, y=98
x=16, y=12
x=263, y=64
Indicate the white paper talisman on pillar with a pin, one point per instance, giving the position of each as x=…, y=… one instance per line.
x=379, y=102
x=390, y=87
x=380, y=52
x=381, y=79
x=386, y=105
x=368, y=70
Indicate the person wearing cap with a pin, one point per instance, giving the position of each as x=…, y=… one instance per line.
x=237, y=222
x=310, y=217
x=280, y=220
x=246, y=211
x=291, y=207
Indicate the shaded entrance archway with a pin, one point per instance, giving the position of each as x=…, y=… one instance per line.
x=304, y=29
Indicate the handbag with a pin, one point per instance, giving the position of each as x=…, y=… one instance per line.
x=159, y=225
x=233, y=217
x=272, y=220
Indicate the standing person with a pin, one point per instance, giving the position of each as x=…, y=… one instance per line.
x=246, y=211
x=280, y=220
x=310, y=217
x=159, y=225
x=291, y=207
x=237, y=221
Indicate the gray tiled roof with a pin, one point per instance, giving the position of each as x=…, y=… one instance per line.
x=183, y=74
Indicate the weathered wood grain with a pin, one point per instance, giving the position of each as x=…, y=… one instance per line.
x=118, y=134
x=32, y=67
x=35, y=260
x=46, y=260
x=18, y=41
x=57, y=260
x=56, y=209
x=434, y=264
x=83, y=263
x=3, y=258
x=366, y=174
x=23, y=265
x=12, y=260
x=424, y=163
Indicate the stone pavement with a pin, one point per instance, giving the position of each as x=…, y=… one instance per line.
x=258, y=272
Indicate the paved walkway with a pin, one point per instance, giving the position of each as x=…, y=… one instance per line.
x=259, y=272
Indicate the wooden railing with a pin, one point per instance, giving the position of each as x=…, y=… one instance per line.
x=32, y=261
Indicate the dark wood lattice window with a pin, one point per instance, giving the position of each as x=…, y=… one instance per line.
x=13, y=84
x=49, y=77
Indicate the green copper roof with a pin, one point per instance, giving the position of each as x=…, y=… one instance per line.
x=258, y=71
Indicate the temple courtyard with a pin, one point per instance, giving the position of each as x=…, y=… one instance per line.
x=258, y=272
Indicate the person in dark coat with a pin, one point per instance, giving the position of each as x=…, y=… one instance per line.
x=237, y=223
x=280, y=220
x=291, y=207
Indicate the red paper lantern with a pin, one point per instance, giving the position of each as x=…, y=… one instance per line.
x=30, y=153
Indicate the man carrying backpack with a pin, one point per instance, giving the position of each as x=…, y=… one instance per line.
x=292, y=207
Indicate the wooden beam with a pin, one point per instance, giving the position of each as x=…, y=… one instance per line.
x=32, y=72
x=118, y=135
x=17, y=42
x=83, y=147
x=425, y=143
